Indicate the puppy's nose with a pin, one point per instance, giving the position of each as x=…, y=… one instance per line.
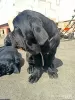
x=7, y=43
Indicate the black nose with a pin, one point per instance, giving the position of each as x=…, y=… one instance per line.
x=7, y=43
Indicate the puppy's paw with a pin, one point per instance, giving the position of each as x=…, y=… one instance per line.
x=33, y=79
x=52, y=73
x=36, y=75
x=30, y=69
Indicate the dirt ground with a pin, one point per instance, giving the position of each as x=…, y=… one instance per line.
x=17, y=87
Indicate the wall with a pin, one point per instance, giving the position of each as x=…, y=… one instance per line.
x=46, y=7
x=66, y=8
x=6, y=10
x=49, y=8
x=61, y=12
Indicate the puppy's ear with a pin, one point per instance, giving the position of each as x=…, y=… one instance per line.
x=39, y=33
x=14, y=68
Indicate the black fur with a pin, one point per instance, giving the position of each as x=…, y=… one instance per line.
x=36, y=34
x=9, y=60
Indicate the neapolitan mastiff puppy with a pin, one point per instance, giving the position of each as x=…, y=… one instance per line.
x=10, y=60
x=39, y=36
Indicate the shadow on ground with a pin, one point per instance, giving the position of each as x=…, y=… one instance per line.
x=57, y=62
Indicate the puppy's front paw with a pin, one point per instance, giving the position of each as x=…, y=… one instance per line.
x=33, y=79
x=52, y=73
x=30, y=69
x=36, y=75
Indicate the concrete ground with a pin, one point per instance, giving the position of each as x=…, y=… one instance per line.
x=17, y=87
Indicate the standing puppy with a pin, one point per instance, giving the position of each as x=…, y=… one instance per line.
x=37, y=35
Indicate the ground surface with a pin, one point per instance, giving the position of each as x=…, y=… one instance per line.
x=17, y=87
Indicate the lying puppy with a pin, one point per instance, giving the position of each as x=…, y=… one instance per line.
x=10, y=60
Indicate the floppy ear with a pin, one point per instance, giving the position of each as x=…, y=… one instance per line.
x=39, y=32
x=13, y=68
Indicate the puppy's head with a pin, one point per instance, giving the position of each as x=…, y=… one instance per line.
x=15, y=39
x=6, y=68
x=9, y=67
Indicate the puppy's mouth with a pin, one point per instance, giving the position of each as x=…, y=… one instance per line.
x=20, y=46
x=8, y=43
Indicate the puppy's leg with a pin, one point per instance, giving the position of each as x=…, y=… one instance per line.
x=34, y=77
x=52, y=72
x=49, y=66
x=30, y=60
x=38, y=69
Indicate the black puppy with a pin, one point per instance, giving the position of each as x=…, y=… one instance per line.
x=9, y=60
x=39, y=36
